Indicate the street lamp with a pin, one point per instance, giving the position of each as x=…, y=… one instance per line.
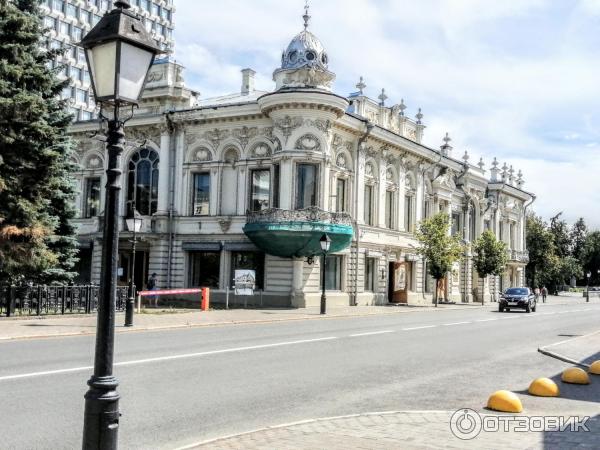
x=325, y=242
x=134, y=224
x=588, y=275
x=119, y=52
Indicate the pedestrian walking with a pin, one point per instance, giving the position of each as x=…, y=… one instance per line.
x=544, y=294
x=536, y=292
x=153, y=286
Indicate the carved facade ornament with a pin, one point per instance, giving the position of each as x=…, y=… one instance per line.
x=308, y=142
x=322, y=125
x=225, y=224
x=287, y=125
x=260, y=150
x=266, y=132
x=340, y=161
x=389, y=175
x=216, y=136
x=337, y=141
x=244, y=134
x=138, y=136
x=369, y=171
x=202, y=154
x=231, y=155
x=94, y=162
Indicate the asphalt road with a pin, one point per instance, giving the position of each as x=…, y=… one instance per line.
x=183, y=386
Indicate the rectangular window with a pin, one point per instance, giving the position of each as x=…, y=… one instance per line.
x=333, y=273
x=58, y=5
x=201, y=194
x=76, y=34
x=306, y=185
x=155, y=9
x=76, y=73
x=251, y=261
x=389, y=209
x=205, y=267
x=368, y=206
x=260, y=189
x=50, y=22
x=63, y=28
x=370, y=265
x=408, y=213
x=340, y=195
x=487, y=225
x=512, y=236
x=276, y=169
x=86, y=115
x=81, y=96
x=426, y=208
x=71, y=10
x=501, y=232
x=92, y=197
x=455, y=224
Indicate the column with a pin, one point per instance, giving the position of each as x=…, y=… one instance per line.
x=163, y=173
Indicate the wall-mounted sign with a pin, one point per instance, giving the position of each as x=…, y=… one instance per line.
x=244, y=282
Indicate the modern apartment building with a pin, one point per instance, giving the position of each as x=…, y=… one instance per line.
x=68, y=20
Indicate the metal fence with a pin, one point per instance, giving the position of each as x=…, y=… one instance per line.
x=43, y=300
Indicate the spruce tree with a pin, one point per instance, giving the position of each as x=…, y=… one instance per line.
x=37, y=241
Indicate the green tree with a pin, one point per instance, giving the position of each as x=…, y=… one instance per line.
x=578, y=236
x=542, y=257
x=490, y=256
x=591, y=256
x=36, y=191
x=439, y=249
x=569, y=267
x=561, y=236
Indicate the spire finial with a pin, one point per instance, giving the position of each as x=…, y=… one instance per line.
x=382, y=97
x=402, y=107
x=419, y=116
x=306, y=16
x=361, y=85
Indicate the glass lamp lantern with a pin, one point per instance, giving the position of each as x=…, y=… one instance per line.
x=119, y=53
x=134, y=222
x=325, y=242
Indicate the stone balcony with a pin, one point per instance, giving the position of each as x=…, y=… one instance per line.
x=518, y=256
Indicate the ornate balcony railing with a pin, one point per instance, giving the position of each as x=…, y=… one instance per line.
x=518, y=256
x=42, y=300
x=311, y=214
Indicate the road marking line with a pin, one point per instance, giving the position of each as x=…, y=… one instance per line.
x=168, y=358
x=419, y=328
x=371, y=333
x=454, y=323
x=485, y=320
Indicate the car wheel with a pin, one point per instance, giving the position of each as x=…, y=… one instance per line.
x=528, y=309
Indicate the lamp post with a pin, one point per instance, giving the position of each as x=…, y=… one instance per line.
x=134, y=224
x=325, y=242
x=119, y=52
x=588, y=275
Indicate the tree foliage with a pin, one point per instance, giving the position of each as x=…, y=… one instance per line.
x=490, y=256
x=438, y=247
x=578, y=237
x=542, y=256
x=591, y=257
x=36, y=192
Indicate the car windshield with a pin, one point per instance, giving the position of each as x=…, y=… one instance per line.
x=517, y=291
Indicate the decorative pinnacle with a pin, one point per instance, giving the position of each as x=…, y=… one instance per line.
x=306, y=16
x=466, y=157
x=361, y=85
x=419, y=116
x=447, y=139
x=481, y=164
x=382, y=97
x=402, y=106
x=495, y=163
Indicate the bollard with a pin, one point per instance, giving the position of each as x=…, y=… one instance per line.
x=205, y=299
x=227, y=297
x=139, y=304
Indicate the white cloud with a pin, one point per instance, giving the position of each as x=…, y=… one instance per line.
x=517, y=79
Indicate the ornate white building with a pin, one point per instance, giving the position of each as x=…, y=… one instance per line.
x=252, y=180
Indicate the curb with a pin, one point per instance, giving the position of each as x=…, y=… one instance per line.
x=302, y=422
x=545, y=351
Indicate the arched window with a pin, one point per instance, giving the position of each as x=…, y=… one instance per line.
x=142, y=182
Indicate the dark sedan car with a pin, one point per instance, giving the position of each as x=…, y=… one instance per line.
x=517, y=298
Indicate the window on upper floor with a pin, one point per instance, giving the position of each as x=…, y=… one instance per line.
x=63, y=28
x=340, y=194
x=389, y=209
x=306, y=185
x=91, y=206
x=76, y=33
x=513, y=235
x=58, y=5
x=50, y=22
x=142, y=182
x=368, y=205
x=408, y=212
x=276, y=171
x=455, y=223
x=260, y=189
x=201, y=194
x=71, y=10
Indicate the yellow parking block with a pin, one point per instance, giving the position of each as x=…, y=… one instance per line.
x=595, y=368
x=575, y=375
x=505, y=401
x=544, y=387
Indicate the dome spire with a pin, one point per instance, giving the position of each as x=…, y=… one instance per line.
x=306, y=16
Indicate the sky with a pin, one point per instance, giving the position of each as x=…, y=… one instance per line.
x=518, y=80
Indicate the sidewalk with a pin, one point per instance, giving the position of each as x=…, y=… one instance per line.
x=433, y=429
x=30, y=327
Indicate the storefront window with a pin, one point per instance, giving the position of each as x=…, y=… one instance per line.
x=370, y=265
x=205, y=268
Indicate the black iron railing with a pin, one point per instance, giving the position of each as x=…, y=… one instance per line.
x=43, y=300
x=310, y=214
